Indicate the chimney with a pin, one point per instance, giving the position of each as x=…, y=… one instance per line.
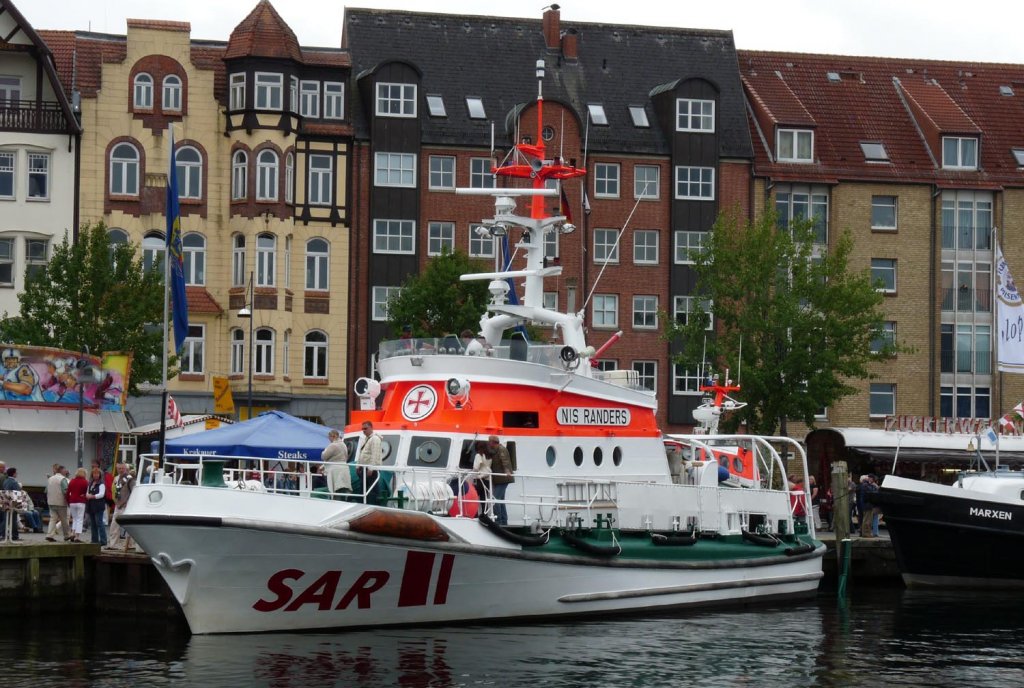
x=552, y=28
x=570, y=48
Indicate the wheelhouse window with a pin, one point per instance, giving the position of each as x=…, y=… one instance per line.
x=266, y=175
x=124, y=170
x=189, y=168
x=194, y=253
x=171, y=96
x=396, y=100
x=269, y=91
x=315, y=355
x=394, y=236
x=317, y=258
x=143, y=92
x=695, y=115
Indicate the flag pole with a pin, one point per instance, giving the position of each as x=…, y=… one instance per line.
x=167, y=292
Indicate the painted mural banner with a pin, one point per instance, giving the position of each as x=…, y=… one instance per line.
x=44, y=376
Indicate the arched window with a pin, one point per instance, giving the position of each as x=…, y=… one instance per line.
x=238, y=261
x=237, y=351
x=266, y=176
x=189, y=167
x=266, y=248
x=124, y=170
x=171, y=101
x=239, y=175
x=317, y=256
x=285, y=351
x=264, y=363
x=315, y=355
x=143, y=91
x=116, y=237
x=194, y=253
x=289, y=178
x=153, y=251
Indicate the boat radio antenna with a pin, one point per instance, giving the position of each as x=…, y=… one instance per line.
x=615, y=247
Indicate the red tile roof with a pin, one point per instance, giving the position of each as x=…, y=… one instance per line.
x=263, y=34
x=326, y=58
x=891, y=101
x=200, y=301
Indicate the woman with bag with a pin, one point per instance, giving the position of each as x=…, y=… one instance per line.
x=78, y=488
x=96, y=505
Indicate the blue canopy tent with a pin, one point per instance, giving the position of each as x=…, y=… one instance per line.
x=270, y=435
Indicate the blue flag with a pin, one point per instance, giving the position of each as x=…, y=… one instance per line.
x=176, y=263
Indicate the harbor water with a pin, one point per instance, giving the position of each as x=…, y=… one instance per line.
x=881, y=637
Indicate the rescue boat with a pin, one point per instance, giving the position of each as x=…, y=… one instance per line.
x=602, y=515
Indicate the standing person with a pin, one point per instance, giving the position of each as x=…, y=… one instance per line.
x=797, y=500
x=335, y=458
x=815, y=502
x=10, y=484
x=56, y=489
x=371, y=454
x=876, y=513
x=96, y=505
x=866, y=507
x=78, y=488
x=501, y=477
x=124, y=483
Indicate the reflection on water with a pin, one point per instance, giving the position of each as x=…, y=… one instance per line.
x=882, y=636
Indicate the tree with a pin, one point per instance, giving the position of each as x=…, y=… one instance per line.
x=435, y=303
x=96, y=295
x=803, y=321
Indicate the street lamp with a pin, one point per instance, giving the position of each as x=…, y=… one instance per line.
x=83, y=373
x=247, y=312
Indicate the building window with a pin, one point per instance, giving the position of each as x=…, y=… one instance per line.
x=171, y=100
x=965, y=402
x=7, y=174
x=697, y=183
x=551, y=245
x=237, y=99
x=682, y=306
x=639, y=116
x=334, y=100
x=1018, y=156
x=239, y=175
x=647, y=374
x=883, y=399
x=606, y=247
x=606, y=180
x=475, y=106
x=883, y=274
x=238, y=261
x=317, y=259
x=38, y=176
x=646, y=181
x=381, y=298
x=188, y=165
x=143, y=92
x=549, y=300
x=288, y=261
x=959, y=153
x=309, y=99
x=968, y=351
x=885, y=337
x=606, y=310
x=264, y=338
x=35, y=257
x=237, y=351
x=645, y=312
x=191, y=359
x=442, y=172
x=967, y=220
x=966, y=286
x=10, y=90
x=686, y=380
x=266, y=175
x=193, y=247
x=289, y=178
x=153, y=251
x=266, y=253
x=269, y=91
x=645, y=247
x=794, y=202
x=286, y=350
x=315, y=355
x=440, y=238
x=293, y=94
x=606, y=364
x=395, y=169
x=597, y=115
x=124, y=170
x=115, y=237
x=481, y=243
x=435, y=106
x=396, y=100
x=795, y=145
x=394, y=236
x=695, y=115
x=321, y=179
x=480, y=176
x=874, y=152
x=689, y=245
x=6, y=262
x=883, y=212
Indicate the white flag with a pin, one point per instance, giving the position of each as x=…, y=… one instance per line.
x=1009, y=319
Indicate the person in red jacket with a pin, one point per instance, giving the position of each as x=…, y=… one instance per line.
x=77, y=488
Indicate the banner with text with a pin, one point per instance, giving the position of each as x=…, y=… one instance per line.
x=1009, y=319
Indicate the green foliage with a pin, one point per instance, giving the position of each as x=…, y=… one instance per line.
x=91, y=294
x=435, y=303
x=804, y=323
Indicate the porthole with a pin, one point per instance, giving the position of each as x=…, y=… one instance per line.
x=428, y=452
x=598, y=456
x=156, y=496
x=577, y=456
x=547, y=133
x=617, y=456
x=737, y=465
x=550, y=456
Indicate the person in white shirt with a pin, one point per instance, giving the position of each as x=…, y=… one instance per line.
x=335, y=458
x=371, y=454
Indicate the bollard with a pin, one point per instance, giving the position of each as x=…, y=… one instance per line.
x=840, y=507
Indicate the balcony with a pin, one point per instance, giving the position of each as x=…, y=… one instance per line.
x=27, y=115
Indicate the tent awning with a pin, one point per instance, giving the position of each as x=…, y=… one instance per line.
x=60, y=420
x=270, y=435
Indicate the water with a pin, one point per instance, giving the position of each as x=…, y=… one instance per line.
x=885, y=636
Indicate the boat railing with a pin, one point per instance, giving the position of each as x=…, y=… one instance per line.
x=543, y=354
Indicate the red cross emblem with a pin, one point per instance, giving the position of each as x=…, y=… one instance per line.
x=419, y=402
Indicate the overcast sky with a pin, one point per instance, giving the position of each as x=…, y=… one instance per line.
x=978, y=30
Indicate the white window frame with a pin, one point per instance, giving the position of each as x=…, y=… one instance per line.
x=480, y=175
x=318, y=265
x=239, y=175
x=638, y=113
x=237, y=357
x=170, y=95
x=435, y=106
x=379, y=306
x=695, y=115
x=549, y=300
x=263, y=358
x=643, y=188
x=442, y=172
x=288, y=261
x=960, y=153
x=885, y=391
x=289, y=177
x=286, y=351
x=194, y=259
x=883, y=270
x=688, y=245
x=440, y=235
x=238, y=261
x=129, y=170
x=607, y=178
x=190, y=173
x=395, y=170
x=605, y=311
x=334, y=100
x=686, y=382
x=682, y=305
x=267, y=175
x=475, y=107
x=695, y=183
x=9, y=172
x=597, y=114
x=641, y=248
x=269, y=91
x=886, y=335
x=394, y=236
x=395, y=99
x=646, y=307
x=237, y=88
x=885, y=202
x=154, y=249
x=793, y=137
x=7, y=261
x=646, y=370
x=309, y=99
x=874, y=152
x=37, y=171
x=266, y=259
x=321, y=180
x=481, y=244
x=194, y=348
x=319, y=358
x=37, y=252
x=606, y=247
x=142, y=91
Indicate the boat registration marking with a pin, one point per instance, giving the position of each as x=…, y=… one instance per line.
x=589, y=415
x=992, y=513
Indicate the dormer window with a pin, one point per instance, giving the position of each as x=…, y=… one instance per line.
x=639, y=116
x=597, y=115
x=795, y=145
x=959, y=153
x=874, y=151
x=396, y=100
x=476, y=107
x=435, y=106
x=695, y=115
x=1018, y=156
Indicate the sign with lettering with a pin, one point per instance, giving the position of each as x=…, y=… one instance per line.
x=588, y=415
x=945, y=426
